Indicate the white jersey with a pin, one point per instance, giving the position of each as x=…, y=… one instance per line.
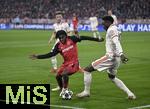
x=113, y=46
x=115, y=19
x=93, y=23
x=61, y=26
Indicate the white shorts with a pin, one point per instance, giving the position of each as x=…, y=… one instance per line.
x=106, y=63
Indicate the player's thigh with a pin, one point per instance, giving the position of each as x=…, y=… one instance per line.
x=112, y=71
x=68, y=69
x=53, y=58
x=89, y=68
x=72, y=69
x=116, y=63
x=103, y=63
x=60, y=69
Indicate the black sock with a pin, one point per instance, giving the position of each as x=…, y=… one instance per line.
x=65, y=80
x=59, y=80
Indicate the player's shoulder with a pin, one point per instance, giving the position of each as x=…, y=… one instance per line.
x=91, y=18
x=112, y=29
x=74, y=38
x=114, y=16
x=95, y=17
x=65, y=23
x=58, y=44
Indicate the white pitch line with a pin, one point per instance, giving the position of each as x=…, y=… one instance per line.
x=140, y=107
x=66, y=107
x=51, y=105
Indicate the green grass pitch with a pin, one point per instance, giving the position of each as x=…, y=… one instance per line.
x=16, y=67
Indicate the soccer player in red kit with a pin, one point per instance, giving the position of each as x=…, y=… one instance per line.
x=67, y=48
x=75, y=23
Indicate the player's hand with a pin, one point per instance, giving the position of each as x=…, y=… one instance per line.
x=124, y=59
x=33, y=56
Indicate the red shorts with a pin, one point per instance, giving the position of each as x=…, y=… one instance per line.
x=69, y=68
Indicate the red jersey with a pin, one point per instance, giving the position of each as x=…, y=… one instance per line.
x=68, y=51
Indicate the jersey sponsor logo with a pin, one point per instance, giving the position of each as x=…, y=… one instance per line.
x=67, y=49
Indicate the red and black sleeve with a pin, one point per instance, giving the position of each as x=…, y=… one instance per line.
x=52, y=53
x=80, y=38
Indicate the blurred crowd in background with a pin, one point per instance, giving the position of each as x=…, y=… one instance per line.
x=43, y=11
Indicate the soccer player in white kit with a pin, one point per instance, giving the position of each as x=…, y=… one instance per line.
x=59, y=25
x=113, y=16
x=109, y=62
x=115, y=19
x=94, y=23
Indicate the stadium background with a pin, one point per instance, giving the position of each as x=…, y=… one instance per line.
x=25, y=28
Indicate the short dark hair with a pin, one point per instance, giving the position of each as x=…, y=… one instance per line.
x=58, y=12
x=60, y=32
x=108, y=18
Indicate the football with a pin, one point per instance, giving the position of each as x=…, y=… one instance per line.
x=67, y=95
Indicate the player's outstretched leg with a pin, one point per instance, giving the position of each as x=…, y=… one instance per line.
x=65, y=81
x=87, y=82
x=122, y=86
x=59, y=81
x=65, y=78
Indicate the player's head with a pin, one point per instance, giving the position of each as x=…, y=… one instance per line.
x=61, y=35
x=92, y=14
x=107, y=21
x=58, y=16
x=109, y=12
x=74, y=14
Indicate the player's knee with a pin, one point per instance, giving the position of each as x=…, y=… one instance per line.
x=111, y=77
x=64, y=74
x=89, y=68
x=58, y=76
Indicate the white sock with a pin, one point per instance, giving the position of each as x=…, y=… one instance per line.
x=54, y=62
x=121, y=85
x=98, y=34
x=94, y=34
x=87, y=81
